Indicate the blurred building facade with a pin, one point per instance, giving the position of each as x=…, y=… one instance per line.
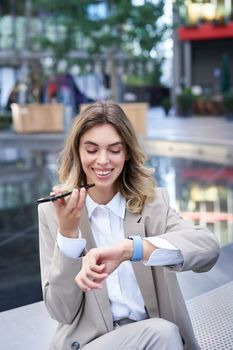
x=24, y=28
x=24, y=61
x=203, y=45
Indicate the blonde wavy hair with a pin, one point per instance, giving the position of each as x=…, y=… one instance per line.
x=136, y=182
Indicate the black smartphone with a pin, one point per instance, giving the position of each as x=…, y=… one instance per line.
x=54, y=197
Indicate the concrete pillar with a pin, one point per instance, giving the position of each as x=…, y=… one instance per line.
x=188, y=63
x=177, y=71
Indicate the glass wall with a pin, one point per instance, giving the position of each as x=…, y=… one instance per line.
x=24, y=177
x=203, y=192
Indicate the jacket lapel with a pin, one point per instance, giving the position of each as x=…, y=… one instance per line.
x=85, y=228
x=101, y=295
x=133, y=226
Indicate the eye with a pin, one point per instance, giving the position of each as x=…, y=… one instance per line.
x=91, y=151
x=115, y=151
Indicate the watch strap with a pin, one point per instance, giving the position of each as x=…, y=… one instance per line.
x=137, y=248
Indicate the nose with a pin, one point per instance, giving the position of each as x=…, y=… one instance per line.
x=103, y=158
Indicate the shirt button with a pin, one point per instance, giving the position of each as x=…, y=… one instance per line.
x=75, y=345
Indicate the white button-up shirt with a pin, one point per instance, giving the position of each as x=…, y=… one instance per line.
x=107, y=227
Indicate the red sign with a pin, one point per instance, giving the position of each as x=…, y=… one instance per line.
x=206, y=31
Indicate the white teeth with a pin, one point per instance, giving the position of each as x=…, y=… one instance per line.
x=98, y=172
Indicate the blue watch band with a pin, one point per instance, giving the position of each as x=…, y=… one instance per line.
x=137, y=248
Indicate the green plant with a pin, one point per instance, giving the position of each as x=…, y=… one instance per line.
x=225, y=78
x=228, y=101
x=5, y=120
x=185, y=102
x=166, y=103
x=228, y=104
x=135, y=80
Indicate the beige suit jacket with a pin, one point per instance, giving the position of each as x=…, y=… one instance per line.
x=82, y=316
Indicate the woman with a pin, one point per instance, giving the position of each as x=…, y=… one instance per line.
x=105, y=290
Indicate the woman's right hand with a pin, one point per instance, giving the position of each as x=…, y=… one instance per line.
x=69, y=211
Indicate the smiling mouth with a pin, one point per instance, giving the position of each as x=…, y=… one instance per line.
x=103, y=173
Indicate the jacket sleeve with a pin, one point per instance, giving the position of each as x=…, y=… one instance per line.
x=198, y=245
x=62, y=296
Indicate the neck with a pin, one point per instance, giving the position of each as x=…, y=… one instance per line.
x=101, y=196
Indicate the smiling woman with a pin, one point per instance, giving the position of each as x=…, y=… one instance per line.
x=103, y=156
x=89, y=241
x=102, y=130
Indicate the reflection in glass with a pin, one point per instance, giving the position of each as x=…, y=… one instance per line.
x=23, y=179
x=203, y=192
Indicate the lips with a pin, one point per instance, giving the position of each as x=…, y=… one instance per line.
x=102, y=173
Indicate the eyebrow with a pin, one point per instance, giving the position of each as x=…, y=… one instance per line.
x=95, y=144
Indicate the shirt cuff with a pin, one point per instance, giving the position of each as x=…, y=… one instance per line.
x=71, y=247
x=166, y=253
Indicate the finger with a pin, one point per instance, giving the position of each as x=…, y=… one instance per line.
x=56, y=189
x=98, y=268
x=81, y=199
x=73, y=200
x=86, y=284
x=59, y=203
x=93, y=273
x=90, y=267
x=81, y=285
x=94, y=276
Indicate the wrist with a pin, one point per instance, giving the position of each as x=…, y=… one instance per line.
x=127, y=249
x=137, y=248
x=69, y=233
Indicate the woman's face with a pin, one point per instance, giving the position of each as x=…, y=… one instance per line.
x=103, y=154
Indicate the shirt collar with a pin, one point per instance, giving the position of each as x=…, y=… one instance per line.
x=116, y=205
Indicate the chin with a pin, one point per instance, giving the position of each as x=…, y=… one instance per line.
x=101, y=184
x=104, y=185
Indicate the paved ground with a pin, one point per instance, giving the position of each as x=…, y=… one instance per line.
x=209, y=130
x=207, y=139
x=26, y=328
